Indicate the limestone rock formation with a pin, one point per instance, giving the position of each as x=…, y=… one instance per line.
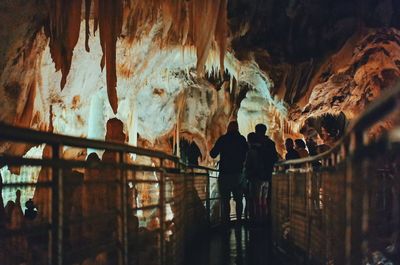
x=277, y=62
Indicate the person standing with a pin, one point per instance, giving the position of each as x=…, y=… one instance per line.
x=232, y=148
x=269, y=157
x=291, y=153
x=300, y=147
x=193, y=154
x=255, y=173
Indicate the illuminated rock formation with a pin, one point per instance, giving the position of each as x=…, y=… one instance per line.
x=258, y=61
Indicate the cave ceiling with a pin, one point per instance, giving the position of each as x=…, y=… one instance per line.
x=151, y=63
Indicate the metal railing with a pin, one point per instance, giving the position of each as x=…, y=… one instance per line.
x=115, y=210
x=345, y=211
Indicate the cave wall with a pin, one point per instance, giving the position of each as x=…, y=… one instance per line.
x=19, y=60
x=291, y=40
x=367, y=65
x=297, y=59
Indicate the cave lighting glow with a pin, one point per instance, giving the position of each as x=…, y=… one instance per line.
x=27, y=174
x=82, y=107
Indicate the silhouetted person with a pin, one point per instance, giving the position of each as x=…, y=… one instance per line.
x=290, y=152
x=232, y=148
x=30, y=212
x=14, y=212
x=312, y=147
x=254, y=172
x=270, y=157
x=332, y=127
x=313, y=151
x=300, y=147
x=193, y=154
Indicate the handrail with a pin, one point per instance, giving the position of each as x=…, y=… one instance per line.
x=28, y=135
x=199, y=167
x=376, y=110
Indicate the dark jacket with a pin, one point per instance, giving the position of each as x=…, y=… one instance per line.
x=270, y=156
x=254, y=164
x=292, y=154
x=232, y=148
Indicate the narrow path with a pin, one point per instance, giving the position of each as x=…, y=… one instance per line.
x=235, y=246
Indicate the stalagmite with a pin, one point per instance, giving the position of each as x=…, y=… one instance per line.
x=96, y=128
x=180, y=104
x=133, y=126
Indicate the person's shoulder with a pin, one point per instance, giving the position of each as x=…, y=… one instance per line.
x=269, y=140
x=222, y=137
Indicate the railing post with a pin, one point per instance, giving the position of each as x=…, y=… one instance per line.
x=185, y=206
x=333, y=159
x=123, y=216
x=353, y=201
x=162, y=212
x=57, y=223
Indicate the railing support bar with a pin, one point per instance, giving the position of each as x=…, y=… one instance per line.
x=162, y=213
x=57, y=224
x=123, y=217
x=208, y=206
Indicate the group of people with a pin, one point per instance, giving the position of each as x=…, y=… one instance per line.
x=245, y=169
x=295, y=149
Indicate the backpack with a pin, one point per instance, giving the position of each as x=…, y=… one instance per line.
x=255, y=164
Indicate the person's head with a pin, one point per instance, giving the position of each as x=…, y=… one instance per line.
x=115, y=130
x=300, y=143
x=329, y=128
x=233, y=126
x=311, y=146
x=252, y=138
x=289, y=144
x=29, y=204
x=261, y=129
x=93, y=158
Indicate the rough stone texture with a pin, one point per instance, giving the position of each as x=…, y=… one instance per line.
x=367, y=65
x=307, y=57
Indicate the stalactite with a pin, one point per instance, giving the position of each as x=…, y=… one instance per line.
x=88, y=4
x=221, y=32
x=110, y=20
x=196, y=22
x=204, y=20
x=95, y=15
x=186, y=23
x=51, y=116
x=65, y=22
